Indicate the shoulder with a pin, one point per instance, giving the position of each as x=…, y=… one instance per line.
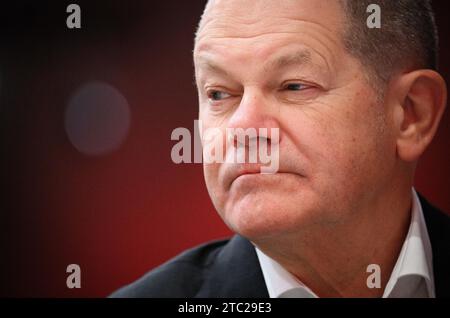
x=438, y=225
x=181, y=276
x=438, y=222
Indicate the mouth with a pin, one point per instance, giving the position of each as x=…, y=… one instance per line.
x=247, y=173
x=242, y=170
x=251, y=170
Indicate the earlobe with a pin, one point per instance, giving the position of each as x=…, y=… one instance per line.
x=423, y=97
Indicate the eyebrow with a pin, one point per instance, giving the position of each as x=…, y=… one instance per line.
x=210, y=65
x=297, y=58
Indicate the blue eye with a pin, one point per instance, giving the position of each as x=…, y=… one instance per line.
x=295, y=87
x=217, y=95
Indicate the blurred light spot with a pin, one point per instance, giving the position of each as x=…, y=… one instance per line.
x=97, y=119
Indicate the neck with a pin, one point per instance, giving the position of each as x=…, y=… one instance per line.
x=332, y=259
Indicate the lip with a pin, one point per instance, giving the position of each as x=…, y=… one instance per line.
x=235, y=172
x=244, y=170
x=245, y=173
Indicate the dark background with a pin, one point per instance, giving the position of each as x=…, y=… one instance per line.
x=119, y=214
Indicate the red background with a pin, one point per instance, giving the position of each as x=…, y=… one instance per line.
x=119, y=215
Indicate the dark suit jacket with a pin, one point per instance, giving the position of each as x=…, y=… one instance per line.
x=230, y=268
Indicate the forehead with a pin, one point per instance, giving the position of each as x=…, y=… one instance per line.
x=253, y=29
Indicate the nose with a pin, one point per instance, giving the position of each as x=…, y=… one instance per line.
x=257, y=113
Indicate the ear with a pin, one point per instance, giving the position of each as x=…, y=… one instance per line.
x=420, y=101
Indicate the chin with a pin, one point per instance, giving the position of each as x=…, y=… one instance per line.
x=266, y=216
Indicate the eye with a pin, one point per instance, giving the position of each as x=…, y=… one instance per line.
x=297, y=90
x=215, y=96
x=296, y=87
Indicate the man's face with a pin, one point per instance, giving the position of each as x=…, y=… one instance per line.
x=282, y=64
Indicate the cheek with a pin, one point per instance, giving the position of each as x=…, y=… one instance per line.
x=215, y=190
x=344, y=149
x=212, y=170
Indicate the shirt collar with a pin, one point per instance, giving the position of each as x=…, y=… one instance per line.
x=412, y=274
x=280, y=283
x=415, y=259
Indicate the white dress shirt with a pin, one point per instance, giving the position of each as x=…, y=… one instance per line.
x=412, y=276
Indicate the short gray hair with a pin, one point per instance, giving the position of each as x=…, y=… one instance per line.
x=407, y=39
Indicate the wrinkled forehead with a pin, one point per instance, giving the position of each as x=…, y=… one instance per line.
x=247, y=18
x=235, y=32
